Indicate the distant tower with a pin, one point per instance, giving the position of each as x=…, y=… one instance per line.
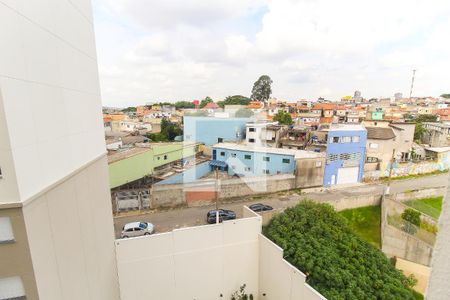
x=412, y=84
x=398, y=96
x=357, y=94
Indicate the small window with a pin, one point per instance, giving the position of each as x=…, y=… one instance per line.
x=165, y=157
x=346, y=139
x=247, y=156
x=266, y=158
x=220, y=140
x=373, y=146
x=233, y=154
x=222, y=153
x=371, y=159
x=355, y=139
x=6, y=231
x=1, y=176
x=11, y=288
x=251, y=129
x=286, y=161
x=158, y=157
x=251, y=140
x=247, y=169
x=334, y=139
x=278, y=172
x=318, y=164
x=266, y=172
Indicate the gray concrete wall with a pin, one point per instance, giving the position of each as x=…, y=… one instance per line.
x=309, y=172
x=418, y=194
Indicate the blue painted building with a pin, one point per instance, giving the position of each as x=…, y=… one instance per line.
x=345, y=154
x=245, y=160
x=211, y=130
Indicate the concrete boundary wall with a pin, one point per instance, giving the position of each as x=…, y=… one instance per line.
x=171, y=195
x=278, y=279
x=202, y=262
x=396, y=242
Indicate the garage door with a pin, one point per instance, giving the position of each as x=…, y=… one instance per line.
x=347, y=175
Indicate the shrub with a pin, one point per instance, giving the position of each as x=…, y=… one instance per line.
x=338, y=264
x=411, y=219
x=429, y=227
x=241, y=295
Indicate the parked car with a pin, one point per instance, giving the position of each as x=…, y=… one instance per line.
x=137, y=229
x=258, y=207
x=224, y=214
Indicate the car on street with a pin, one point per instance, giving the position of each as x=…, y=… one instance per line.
x=137, y=229
x=224, y=214
x=259, y=207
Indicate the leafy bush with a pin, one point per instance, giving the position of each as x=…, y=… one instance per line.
x=411, y=219
x=241, y=295
x=429, y=227
x=338, y=264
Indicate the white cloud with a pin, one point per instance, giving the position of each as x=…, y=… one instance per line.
x=180, y=50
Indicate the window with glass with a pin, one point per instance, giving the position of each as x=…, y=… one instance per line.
x=247, y=156
x=355, y=139
x=266, y=158
x=286, y=160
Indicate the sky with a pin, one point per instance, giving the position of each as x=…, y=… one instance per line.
x=173, y=50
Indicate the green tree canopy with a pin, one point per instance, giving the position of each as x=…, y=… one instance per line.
x=169, y=131
x=205, y=101
x=184, y=104
x=283, y=118
x=262, y=88
x=337, y=263
x=419, y=130
x=129, y=109
x=234, y=100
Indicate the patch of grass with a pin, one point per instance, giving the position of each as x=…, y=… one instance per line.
x=414, y=176
x=431, y=206
x=365, y=222
x=417, y=295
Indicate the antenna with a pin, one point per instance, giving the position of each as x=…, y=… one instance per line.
x=412, y=84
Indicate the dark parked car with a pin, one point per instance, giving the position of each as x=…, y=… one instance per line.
x=224, y=214
x=258, y=207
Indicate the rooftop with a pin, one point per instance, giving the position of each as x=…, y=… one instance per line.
x=380, y=133
x=347, y=127
x=298, y=154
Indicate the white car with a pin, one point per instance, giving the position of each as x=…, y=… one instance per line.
x=137, y=229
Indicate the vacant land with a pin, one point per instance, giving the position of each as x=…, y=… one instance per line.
x=429, y=206
x=365, y=222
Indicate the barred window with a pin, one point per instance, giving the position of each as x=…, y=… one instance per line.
x=333, y=157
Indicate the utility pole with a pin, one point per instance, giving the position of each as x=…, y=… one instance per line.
x=217, y=194
x=412, y=84
x=391, y=167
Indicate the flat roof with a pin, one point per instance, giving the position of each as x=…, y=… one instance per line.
x=298, y=154
x=346, y=127
x=123, y=154
x=438, y=149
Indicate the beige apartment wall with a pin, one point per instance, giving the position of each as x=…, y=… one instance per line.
x=9, y=192
x=71, y=237
x=15, y=257
x=278, y=279
x=199, y=263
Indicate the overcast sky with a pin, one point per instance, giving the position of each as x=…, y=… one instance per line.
x=170, y=50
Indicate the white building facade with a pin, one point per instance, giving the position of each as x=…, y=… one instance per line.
x=56, y=229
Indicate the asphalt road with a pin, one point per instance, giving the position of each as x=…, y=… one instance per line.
x=170, y=219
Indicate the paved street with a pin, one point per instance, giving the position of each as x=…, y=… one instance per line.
x=177, y=218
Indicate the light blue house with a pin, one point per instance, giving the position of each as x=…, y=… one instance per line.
x=212, y=130
x=346, y=151
x=246, y=160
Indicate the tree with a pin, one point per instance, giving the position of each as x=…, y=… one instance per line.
x=338, y=263
x=184, y=104
x=243, y=113
x=129, y=109
x=283, y=118
x=412, y=219
x=234, y=100
x=262, y=89
x=205, y=101
x=169, y=131
x=446, y=96
x=419, y=130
